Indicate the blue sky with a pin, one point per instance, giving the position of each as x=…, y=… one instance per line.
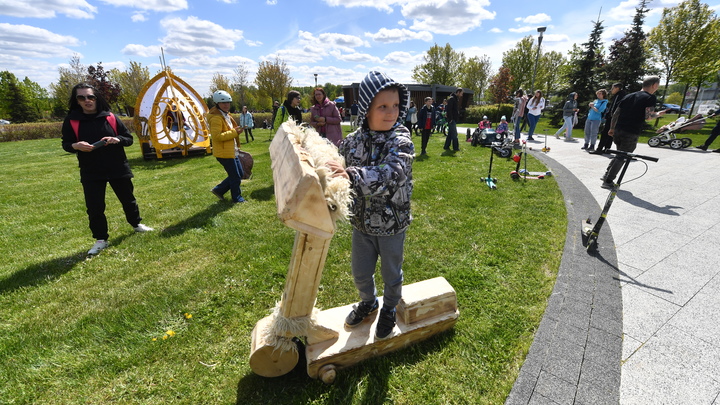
x=340, y=40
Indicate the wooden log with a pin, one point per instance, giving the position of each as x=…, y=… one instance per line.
x=266, y=359
x=304, y=273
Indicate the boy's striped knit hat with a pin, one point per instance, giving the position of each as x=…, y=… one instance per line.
x=371, y=85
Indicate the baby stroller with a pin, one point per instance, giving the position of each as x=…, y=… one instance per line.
x=667, y=133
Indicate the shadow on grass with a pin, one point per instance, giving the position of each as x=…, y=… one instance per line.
x=41, y=273
x=141, y=163
x=296, y=387
x=198, y=220
x=263, y=194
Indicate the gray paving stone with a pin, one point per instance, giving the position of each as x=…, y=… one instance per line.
x=559, y=390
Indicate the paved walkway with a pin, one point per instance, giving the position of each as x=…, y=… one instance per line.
x=637, y=323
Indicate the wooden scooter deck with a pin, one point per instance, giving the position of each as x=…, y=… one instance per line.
x=427, y=308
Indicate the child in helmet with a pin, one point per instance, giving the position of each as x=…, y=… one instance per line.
x=224, y=133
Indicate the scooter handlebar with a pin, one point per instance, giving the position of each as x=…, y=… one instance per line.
x=633, y=155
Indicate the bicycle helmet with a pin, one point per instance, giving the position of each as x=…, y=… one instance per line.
x=222, y=96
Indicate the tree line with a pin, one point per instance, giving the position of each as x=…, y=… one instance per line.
x=684, y=48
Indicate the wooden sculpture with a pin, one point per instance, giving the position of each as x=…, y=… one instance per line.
x=310, y=202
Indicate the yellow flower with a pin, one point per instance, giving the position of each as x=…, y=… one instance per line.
x=154, y=339
x=165, y=337
x=188, y=316
x=170, y=333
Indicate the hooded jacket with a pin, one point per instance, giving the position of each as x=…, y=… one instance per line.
x=107, y=162
x=331, y=129
x=224, y=137
x=379, y=165
x=570, y=105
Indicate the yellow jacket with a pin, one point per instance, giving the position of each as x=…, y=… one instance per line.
x=223, y=137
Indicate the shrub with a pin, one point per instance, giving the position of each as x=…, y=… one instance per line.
x=41, y=130
x=474, y=114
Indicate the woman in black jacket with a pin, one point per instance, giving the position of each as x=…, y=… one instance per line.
x=98, y=139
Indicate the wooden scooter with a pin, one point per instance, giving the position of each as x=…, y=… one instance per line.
x=426, y=308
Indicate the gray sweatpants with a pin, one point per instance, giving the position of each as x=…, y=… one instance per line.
x=365, y=252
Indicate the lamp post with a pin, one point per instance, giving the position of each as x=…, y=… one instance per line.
x=315, y=74
x=537, y=58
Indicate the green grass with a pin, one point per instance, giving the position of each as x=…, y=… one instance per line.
x=76, y=330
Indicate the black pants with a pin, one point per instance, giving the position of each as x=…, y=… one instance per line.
x=626, y=142
x=248, y=131
x=425, y=138
x=94, y=191
x=606, y=140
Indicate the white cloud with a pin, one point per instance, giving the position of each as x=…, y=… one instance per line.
x=394, y=35
x=536, y=19
x=446, y=17
x=253, y=43
x=153, y=5
x=354, y=57
x=141, y=50
x=381, y=5
x=403, y=58
x=138, y=17
x=271, y=2
x=32, y=42
x=214, y=62
x=190, y=36
x=522, y=30
x=47, y=8
x=402, y=23
x=495, y=30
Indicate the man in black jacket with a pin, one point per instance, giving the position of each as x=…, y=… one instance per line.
x=606, y=140
x=453, y=116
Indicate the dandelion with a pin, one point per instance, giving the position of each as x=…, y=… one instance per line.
x=170, y=333
x=165, y=337
x=154, y=339
x=188, y=316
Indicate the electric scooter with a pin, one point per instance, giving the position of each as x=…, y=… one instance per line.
x=589, y=232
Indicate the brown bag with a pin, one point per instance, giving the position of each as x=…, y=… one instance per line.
x=246, y=161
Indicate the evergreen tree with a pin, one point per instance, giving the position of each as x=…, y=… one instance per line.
x=584, y=75
x=627, y=56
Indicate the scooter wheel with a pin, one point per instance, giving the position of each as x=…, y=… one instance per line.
x=504, y=153
x=592, y=244
x=514, y=175
x=654, y=141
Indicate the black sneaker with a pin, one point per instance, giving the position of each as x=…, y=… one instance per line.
x=386, y=324
x=608, y=185
x=701, y=147
x=359, y=312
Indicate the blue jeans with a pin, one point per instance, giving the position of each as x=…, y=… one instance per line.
x=365, y=251
x=232, y=181
x=567, y=127
x=532, y=121
x=592, y=127
x=518, y=124
x=452, y=136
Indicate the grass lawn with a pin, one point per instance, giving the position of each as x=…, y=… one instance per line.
x=166, y=316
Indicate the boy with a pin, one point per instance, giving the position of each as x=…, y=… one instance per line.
x=379, y=156
x=426, y=120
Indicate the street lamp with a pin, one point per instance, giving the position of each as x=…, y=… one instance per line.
x=315, y=74
x=537, y=58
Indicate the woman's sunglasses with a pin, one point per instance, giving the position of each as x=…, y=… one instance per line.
x=81, y=97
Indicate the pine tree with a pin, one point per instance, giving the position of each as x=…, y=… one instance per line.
x=627, y=57
x=585, y=77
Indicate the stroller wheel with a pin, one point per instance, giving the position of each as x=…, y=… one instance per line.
x=654, y=141
x=686, y=142
x=676, y=144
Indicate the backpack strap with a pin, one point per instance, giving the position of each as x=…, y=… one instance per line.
x=75, y=124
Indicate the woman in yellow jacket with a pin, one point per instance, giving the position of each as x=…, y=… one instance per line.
x=224, y=133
